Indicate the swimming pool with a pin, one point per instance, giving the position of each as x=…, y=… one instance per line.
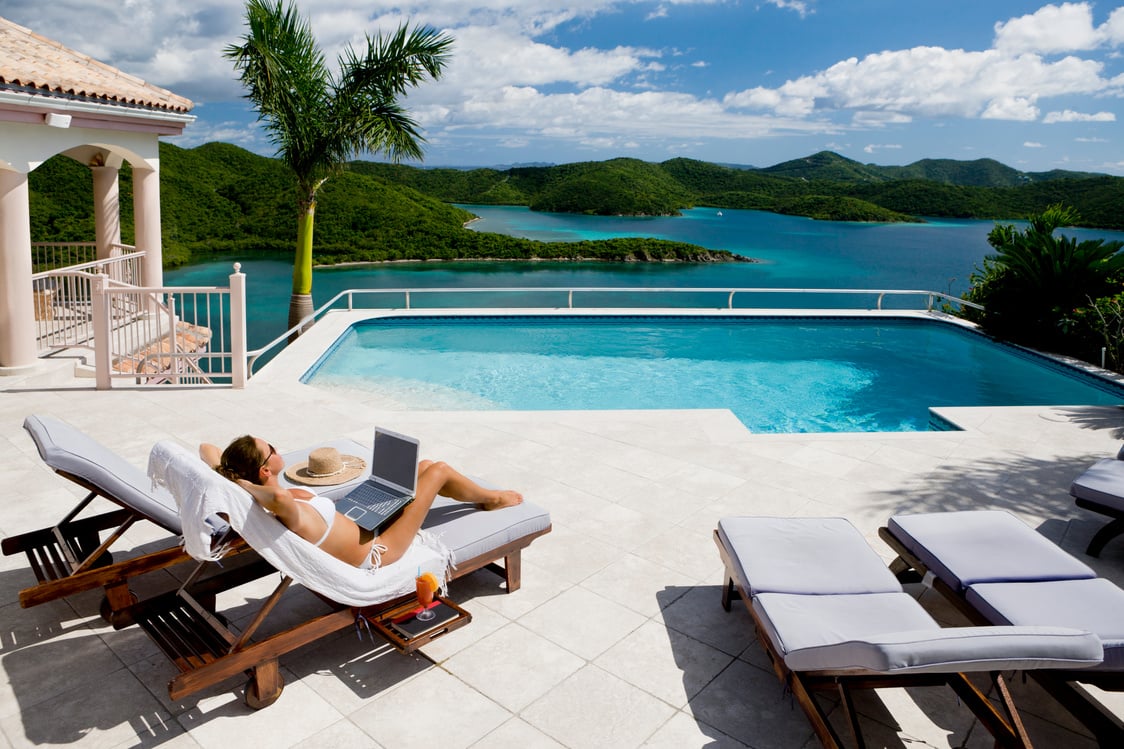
x=776, y=374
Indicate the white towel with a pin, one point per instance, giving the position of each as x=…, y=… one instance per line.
x=201, y=493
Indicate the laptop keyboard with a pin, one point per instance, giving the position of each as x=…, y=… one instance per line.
x=377, y=500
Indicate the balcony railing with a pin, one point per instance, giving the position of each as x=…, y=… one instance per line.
x=166, y=335
x=63, y=314
x=180, y=335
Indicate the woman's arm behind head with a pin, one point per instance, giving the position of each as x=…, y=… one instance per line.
x=211, y=454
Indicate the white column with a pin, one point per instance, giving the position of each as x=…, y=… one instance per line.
x=107, y=209
x=17, y=310
x=146, y=212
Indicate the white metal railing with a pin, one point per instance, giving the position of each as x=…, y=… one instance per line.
x=171, y=334
x=63, y=317
x=183, y=335
x=726, y=295
x=46, y=256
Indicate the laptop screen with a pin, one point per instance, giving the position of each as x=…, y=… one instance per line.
x=395, y=459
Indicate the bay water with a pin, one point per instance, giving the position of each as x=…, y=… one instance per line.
x=792, y=252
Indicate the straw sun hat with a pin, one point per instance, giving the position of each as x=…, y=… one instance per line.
x=325, y=467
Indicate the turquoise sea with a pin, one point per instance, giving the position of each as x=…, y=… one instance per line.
x=796, y=252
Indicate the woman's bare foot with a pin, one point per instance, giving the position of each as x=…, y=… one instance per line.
x=499, y=499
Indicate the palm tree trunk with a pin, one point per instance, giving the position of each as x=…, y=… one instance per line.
x=300, y=303
x=300, y=307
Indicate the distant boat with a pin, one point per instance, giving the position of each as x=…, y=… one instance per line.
x=720, y=213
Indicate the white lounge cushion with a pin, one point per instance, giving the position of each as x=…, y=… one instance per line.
x=804, y=555
x=984, y=546
x=1095, y=605
x=891, y=633
x=464, y=529
x=1103, y=483
x=70, y=450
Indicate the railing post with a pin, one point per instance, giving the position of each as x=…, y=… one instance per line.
x=99, y=309
x=239, y=365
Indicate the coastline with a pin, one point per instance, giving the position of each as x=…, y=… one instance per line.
x=665, y=261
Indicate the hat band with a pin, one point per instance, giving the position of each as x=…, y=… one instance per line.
x=343, y=467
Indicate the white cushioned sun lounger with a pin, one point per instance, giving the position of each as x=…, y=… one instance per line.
x=1100, y=488
x=998, y=570
x=830, y=615
x=75, y=554
x=207, y=649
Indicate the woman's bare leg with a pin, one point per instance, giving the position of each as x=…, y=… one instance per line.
x=437, y=478
x=455, y=485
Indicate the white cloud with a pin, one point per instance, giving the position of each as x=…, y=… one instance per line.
x=600, y=112
x=1091, y=140
x=797, y=5
x=1032, y=144
x=1052, y=28
x=1011, y=108
x=933, y=82
x=1114, y=27
x=513, y=81
x=872, y=147
x=1069, y=115
x=864, y=118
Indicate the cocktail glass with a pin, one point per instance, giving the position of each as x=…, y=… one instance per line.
x=425, y=590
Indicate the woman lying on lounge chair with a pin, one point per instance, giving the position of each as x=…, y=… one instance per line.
x=252, y=463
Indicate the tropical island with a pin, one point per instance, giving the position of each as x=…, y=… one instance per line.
x=219, y=198
x=823, y=186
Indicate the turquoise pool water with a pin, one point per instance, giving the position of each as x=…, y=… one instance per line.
x=777, y=375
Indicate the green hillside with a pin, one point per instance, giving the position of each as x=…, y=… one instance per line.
x=827, y=165
x=824, y=185
x=221, y=198
x=613, y=188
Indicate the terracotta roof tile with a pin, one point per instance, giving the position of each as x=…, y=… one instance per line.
x=30, y=62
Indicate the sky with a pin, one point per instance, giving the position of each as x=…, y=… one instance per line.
x=1037, y=86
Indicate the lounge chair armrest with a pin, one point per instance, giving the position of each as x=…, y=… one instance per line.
x=955, y=649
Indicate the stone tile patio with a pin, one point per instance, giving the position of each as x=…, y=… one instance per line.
x=616, y=639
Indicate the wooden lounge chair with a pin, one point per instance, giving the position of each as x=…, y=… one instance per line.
x=208, y=650
x=831, y=617
x=1101, y=489
x=998, y=570
x=74, y=554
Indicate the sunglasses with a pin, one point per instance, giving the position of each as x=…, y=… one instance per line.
x=272, y=452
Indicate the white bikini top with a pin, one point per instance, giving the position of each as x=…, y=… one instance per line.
x=327, y=510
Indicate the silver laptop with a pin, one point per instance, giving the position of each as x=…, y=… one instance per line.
x=391, y=485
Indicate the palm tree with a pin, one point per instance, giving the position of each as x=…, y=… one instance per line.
x=320, y=120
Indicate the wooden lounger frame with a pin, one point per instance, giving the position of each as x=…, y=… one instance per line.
x=70, y=557
x=1006, y=727
x=1062, y=685
x=1109, y=531
x=184, y=624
